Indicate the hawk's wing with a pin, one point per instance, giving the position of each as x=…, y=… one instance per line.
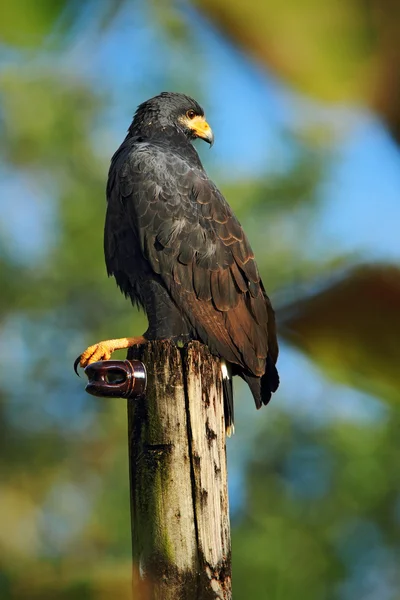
x=193, y=241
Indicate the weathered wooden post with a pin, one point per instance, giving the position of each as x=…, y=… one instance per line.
x=178, y=477
x=177, y=461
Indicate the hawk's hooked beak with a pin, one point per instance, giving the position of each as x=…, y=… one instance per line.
x=200, y=128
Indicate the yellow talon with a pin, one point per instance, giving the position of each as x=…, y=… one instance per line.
x=103, y=350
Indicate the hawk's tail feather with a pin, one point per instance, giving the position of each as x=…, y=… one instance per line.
x=263, y=387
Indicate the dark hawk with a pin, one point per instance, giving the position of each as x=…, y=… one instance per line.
x=176, y=249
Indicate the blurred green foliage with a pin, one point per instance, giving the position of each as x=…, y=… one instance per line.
x=352, y=329
x=320, y=514
x=28, y=24
x=335, y=51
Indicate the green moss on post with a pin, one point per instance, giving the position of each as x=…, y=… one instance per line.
x=179, y=500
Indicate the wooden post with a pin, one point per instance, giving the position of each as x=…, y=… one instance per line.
x=177, y=461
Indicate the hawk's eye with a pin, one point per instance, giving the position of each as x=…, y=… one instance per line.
x=190, y=114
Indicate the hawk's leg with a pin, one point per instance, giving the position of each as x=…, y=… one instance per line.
x=103, y=350
x=166, y=322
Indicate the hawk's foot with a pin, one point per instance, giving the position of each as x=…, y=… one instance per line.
x=103, y=350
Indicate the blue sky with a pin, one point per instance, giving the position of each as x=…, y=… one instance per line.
x=134, y=59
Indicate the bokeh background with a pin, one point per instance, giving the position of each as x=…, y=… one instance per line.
x=304, y=100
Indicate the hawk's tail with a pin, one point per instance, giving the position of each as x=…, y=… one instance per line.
x=263, y=387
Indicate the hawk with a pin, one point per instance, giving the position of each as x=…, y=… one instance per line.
x=176, y=249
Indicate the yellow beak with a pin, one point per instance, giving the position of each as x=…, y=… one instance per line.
x=201, y=129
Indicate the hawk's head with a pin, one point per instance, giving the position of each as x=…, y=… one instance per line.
x=169, y=109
